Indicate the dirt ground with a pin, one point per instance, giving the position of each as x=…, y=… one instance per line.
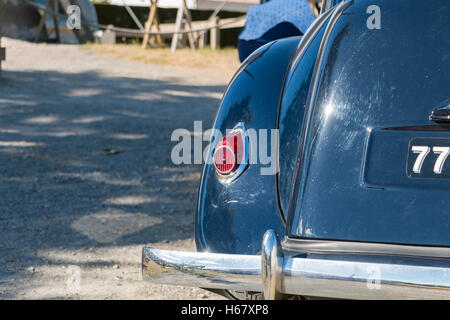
x=86, y=178
x=224, y=59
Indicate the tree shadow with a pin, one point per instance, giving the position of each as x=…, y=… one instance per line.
x=86, y=162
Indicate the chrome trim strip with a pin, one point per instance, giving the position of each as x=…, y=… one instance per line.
x=440, y=119
x=351, y=247
x=306, y=39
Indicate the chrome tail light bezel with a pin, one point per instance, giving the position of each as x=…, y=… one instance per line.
x=242, y=165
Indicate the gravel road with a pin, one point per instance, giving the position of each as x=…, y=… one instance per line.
x=86, y=178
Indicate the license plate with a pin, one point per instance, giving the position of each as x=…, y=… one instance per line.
x=429, y=158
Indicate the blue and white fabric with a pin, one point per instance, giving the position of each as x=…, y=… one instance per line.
x=261, y=18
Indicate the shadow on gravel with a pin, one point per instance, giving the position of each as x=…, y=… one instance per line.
x=85, y=163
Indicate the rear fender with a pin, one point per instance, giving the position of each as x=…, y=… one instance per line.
x=233, y=218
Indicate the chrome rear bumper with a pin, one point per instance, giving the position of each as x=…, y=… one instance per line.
x=275, y=275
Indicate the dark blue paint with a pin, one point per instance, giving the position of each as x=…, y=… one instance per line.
x=370, y=80
x=292, y=111
x=234, y=218
x=344, y=168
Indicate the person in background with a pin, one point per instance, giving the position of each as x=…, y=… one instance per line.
x=272, y=20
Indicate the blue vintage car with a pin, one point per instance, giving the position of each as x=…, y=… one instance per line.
x=360, y=205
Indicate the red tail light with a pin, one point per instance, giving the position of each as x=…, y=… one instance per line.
x=231, y=154
x=224, y=159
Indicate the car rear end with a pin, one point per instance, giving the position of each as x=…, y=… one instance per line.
x=366, y=199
